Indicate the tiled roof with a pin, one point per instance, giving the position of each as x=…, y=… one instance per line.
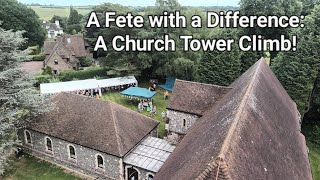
x=93, y=123
x=253, y=131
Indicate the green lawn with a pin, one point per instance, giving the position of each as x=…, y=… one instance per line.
x=30, y=168
x=158, y=101
x=314, y=160
x=46, y=13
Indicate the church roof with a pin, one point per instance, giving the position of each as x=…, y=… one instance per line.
x=96, y=124
x=253, y=132
x=195, y=98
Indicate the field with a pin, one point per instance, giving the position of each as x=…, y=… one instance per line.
x=30, y=168
x=46, y=13
x=158, y=101
x=314, y=160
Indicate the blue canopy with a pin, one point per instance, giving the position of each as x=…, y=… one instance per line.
x=138, y=92
x=169, y=84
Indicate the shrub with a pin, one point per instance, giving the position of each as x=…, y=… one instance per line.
x=40, y=79
x=39, y=57
x=85, y=61
x=89, y=73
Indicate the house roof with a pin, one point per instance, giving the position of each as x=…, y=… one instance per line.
x=251, y=133
x=51, y=26
x=64, y=52
x=74, y=43
x=93, y=123
x=195, y=98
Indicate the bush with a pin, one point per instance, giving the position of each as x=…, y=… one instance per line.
x=89, y=73
x=39, y=57
x=40, y=79
x=47, y=71
x=85, y=61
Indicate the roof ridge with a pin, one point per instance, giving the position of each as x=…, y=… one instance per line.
x=217, y=168
x=226, y=143
x=116, y=129
x=213, y=85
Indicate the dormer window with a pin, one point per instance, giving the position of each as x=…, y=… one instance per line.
x=56, y=62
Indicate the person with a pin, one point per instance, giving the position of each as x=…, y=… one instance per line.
x=166, y=94
x=163, y=115
x=154, y=110
x=139, y=107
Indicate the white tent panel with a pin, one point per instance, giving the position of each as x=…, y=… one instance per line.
x=117, y=81
x=52, y=88
x=70, y=86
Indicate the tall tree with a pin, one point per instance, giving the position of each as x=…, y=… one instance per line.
x=18, y=100
x=266, y=7
x=298, y=70
x=220, y=68
x=17, y=16
x=74, y=21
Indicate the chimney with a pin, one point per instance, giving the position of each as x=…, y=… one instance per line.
x=57, y=23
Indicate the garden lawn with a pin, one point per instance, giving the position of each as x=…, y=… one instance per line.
x=31, y=168
x=46, y=13
x=158, y=101
x=314, y=156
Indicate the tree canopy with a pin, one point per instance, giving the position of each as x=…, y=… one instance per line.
x=17, y=16
x=18, y=100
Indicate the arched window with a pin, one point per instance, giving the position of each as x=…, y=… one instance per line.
x=150, y=177
x=48, y=144
x=27, y=135
x=72, y=152
x=100, y=162
x=56, y=62
x=133, y=173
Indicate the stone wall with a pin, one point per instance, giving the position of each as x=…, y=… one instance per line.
x=61, y=66
x=179, y=124
x=176, y=121
x=85, y=162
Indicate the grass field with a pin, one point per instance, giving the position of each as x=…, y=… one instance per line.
x=46, y=13
x=30, y=168
x=158, y=101
x=314, y=160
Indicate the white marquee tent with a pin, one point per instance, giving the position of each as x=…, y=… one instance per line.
x=89, y=84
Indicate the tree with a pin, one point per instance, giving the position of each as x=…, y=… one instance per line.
x=18, y=100
x=62, y=21
x=266, y=7
x=220, y=68
x=16, y=16
x=74, y=17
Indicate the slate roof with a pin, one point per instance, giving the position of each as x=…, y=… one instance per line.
x=74, y=43
x=100, y=125
x=195, y=98
x=251, y=133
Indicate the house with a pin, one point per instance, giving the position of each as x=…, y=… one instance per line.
x=53, y=29
x=251, y=131
x=64, y=53
x=97, y=138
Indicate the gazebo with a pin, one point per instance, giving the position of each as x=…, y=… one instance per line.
x=138, y=92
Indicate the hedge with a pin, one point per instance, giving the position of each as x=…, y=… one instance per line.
x=88, y=73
